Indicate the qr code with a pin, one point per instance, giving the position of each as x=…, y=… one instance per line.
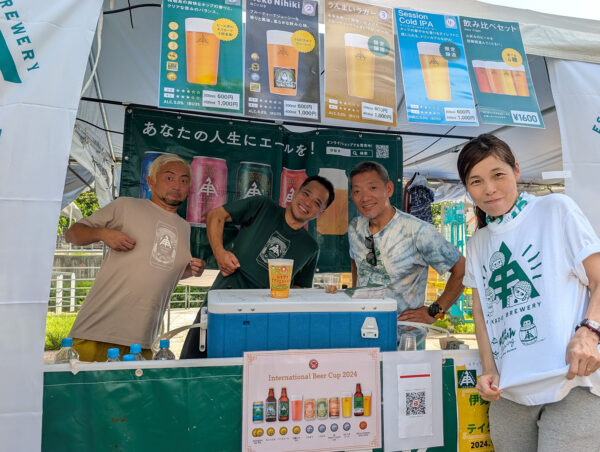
x=382, y=151
x=415, y=404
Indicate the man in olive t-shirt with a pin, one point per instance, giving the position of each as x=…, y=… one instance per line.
x=267, y=231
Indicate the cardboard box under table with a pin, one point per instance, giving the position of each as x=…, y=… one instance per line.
x=249, y=320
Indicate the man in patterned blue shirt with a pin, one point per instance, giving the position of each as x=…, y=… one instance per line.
x=389, y=247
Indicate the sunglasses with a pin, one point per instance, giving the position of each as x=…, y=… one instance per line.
x=371, y=256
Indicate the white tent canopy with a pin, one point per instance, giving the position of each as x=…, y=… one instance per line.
x=37, y=118
x=128, y=72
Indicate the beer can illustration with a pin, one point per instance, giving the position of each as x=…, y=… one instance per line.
x=334, y=407
x=254, y=179
x=290, y=183
x=149, y=157
x=309, y=409
x=208, y=189
x=322, y=408
x=257, y=412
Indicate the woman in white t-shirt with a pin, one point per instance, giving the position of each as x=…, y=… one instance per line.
x=534, y=266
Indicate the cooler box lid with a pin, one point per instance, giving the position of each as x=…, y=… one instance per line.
x=255, y=301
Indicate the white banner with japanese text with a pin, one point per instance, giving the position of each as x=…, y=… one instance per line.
x=576, y=94
x=43, y=51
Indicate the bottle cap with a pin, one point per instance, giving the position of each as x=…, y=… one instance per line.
x=135, y=348
x=113, y=352
x=128, y=357
x=164, y=343
x=67, y=342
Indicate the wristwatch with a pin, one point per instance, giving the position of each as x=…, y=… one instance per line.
x=435, y=310
x=590, y=325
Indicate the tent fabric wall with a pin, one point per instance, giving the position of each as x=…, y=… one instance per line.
x=37, y=113
x=577, y=95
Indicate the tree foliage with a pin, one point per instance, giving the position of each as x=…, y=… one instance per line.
x=87, y=203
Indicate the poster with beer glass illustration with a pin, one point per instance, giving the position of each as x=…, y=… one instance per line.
x=360, y=81
x=500, y=73
x=201, y=50
x=333, y=155
x=311, y=400
x=282, y=59
x=434, y=69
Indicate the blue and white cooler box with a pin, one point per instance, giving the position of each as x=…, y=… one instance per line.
x=250, y=320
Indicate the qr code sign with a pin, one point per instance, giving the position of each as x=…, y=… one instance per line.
x=415, y=404
x=382, y=151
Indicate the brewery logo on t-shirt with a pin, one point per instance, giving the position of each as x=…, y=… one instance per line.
x=276, y=247
x=510, y=291
x=164, y=248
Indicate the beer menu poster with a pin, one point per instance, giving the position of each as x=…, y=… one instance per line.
x=360, y=81
x=282, y=59
x=500, y=73
x=201, y=47
x=434, y=69
x=473, y=420
x=311, y=400
x=412, y=389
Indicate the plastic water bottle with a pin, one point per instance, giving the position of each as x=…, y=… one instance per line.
x=113, y=355
x=136, y=351
x=164, y=353
x=67, y=352
x=128, y=358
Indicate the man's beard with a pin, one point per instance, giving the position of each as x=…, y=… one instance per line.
x=171, y=202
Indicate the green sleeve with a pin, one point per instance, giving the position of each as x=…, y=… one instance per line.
x=304, y=278
x=243, y=211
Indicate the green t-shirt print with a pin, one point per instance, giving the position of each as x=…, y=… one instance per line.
x=264, y=234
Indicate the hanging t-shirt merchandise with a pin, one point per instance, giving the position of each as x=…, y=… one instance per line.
x=530, y=293
x=264, y=234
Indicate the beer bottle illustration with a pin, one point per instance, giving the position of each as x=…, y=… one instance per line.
x=284, y=406
x=359, y=408
x=271, y=407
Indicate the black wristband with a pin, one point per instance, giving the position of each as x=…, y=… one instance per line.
x=590, y=325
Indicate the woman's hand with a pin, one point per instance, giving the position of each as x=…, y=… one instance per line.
x=487, y=385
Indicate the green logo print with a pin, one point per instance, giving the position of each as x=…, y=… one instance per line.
x=7, y=63
x=508, y=280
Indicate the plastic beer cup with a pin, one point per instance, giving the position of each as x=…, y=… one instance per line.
x=346, y=404
x=283, y=63
x=296, y=407
x=367, y=403
x=202, y=51
x=508, y=83
x=280, y=277
x=481, y=75
x=334, y=220
x=520, y=79
x=435, y=71
x=360, y=66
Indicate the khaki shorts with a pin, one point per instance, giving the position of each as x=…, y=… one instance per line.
x=97, y=351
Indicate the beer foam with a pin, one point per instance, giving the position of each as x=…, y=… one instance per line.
x=199, y=25
x=356, y=40
x=429, y=48
x=279, y=37
x=336, y=176
x=479, y=63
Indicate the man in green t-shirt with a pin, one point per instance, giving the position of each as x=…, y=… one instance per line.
x=267, y=231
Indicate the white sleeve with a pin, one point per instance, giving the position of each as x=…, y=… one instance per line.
x=581, y=240
x=469, y=278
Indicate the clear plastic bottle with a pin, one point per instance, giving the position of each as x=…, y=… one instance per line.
x=128, y=358
x=113, y=355
x=136, y=351
x=164, y=353
x=67, y=352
